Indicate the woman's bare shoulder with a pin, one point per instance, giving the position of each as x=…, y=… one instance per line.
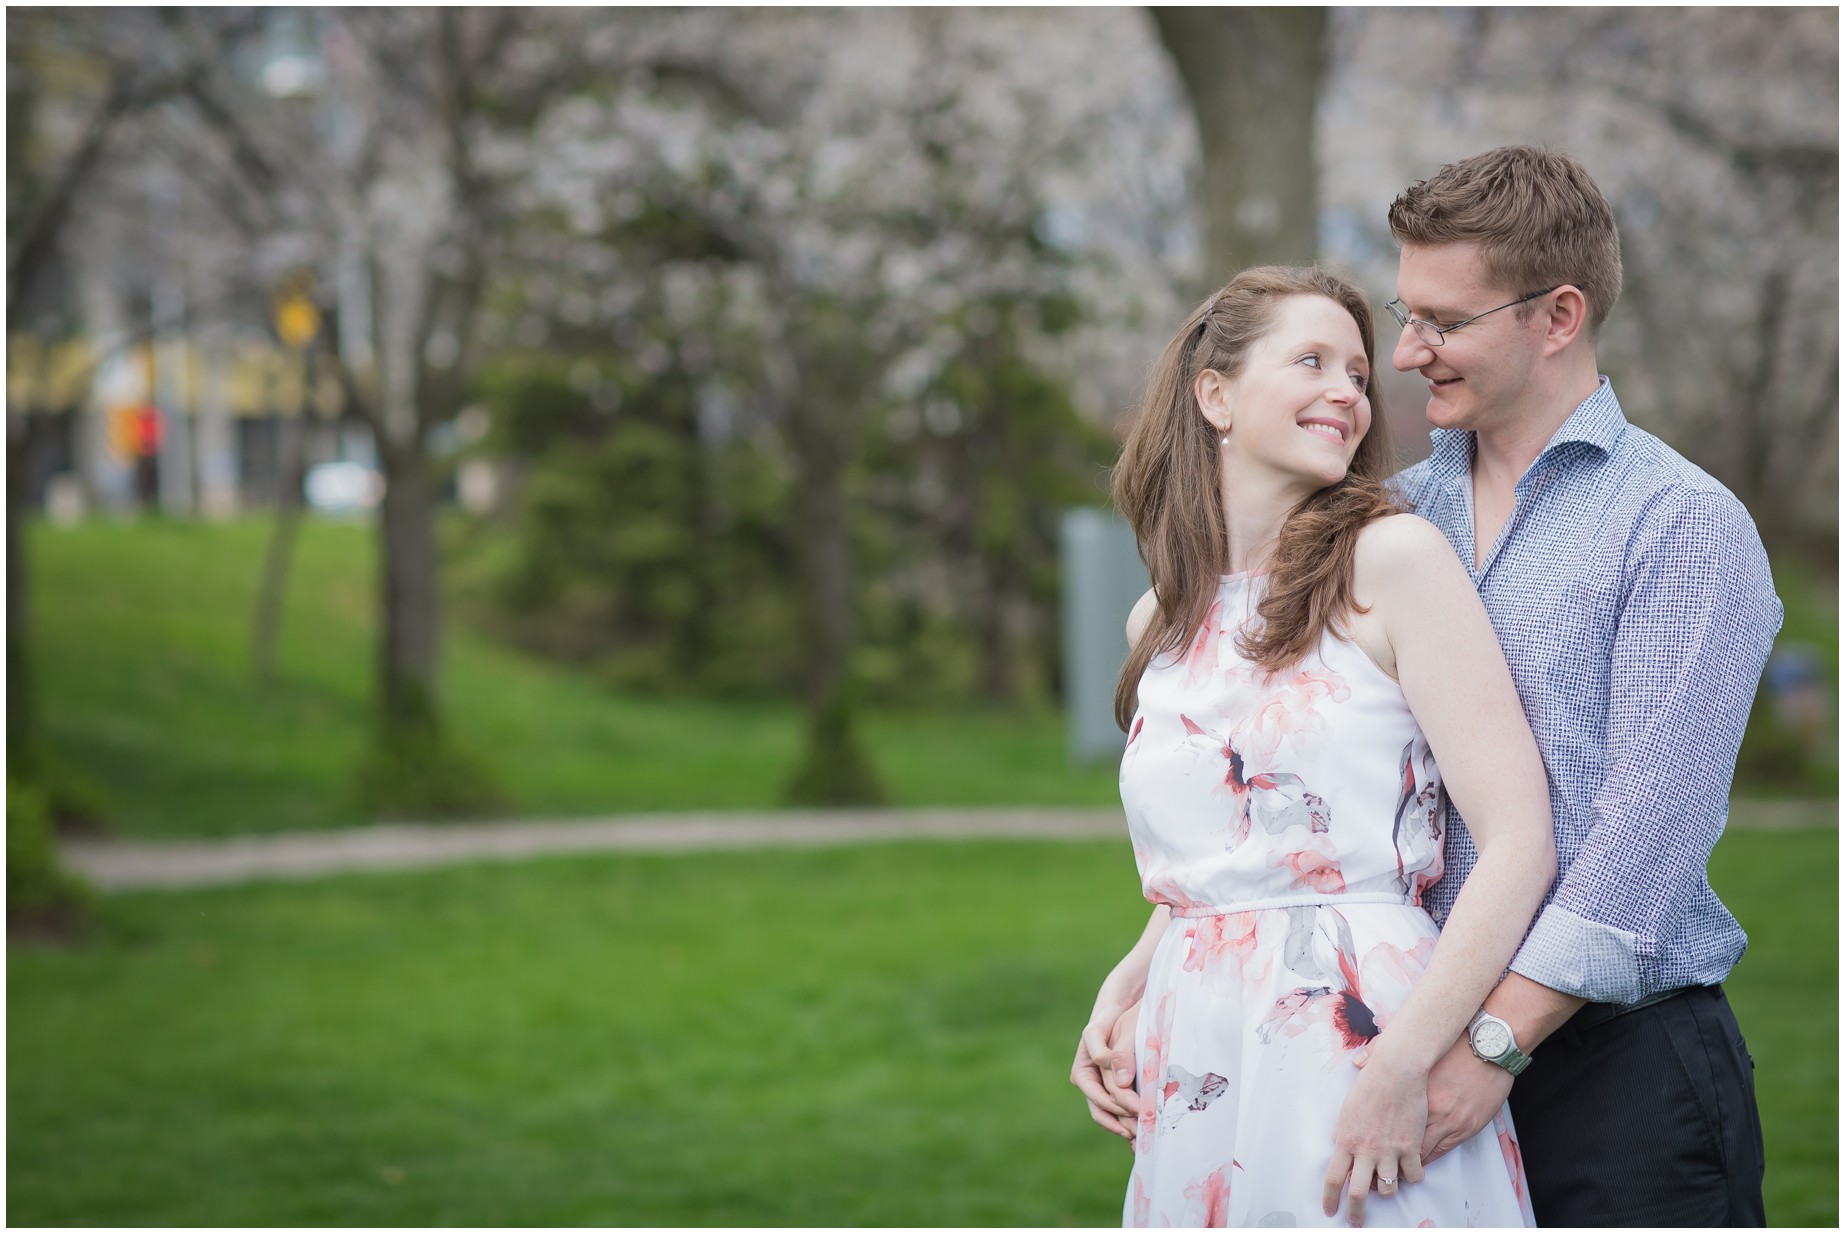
x=1403, y=547
x=1142, y=614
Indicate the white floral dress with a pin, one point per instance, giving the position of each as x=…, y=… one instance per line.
x=1292, y=821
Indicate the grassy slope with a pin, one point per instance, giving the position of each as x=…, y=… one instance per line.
x=861, y=1037
x=143, y=635
x=142, y=640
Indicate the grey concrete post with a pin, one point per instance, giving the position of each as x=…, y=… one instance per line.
x=1102, y=578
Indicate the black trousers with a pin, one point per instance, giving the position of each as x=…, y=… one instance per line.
x=1643, y=1119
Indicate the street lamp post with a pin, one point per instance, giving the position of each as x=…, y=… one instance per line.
x=297, y=324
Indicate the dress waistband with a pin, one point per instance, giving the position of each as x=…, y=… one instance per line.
x=1299, y=901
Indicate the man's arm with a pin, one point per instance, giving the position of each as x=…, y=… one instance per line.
x=1465, y=1093
x=1698, y=623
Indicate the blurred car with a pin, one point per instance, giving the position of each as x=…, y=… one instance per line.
x=343, y=488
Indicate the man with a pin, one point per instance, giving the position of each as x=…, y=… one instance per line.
x=1633, y=601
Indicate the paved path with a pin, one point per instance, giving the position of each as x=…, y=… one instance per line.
x=123, y=865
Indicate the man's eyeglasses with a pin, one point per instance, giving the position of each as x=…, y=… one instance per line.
x=1432, y=334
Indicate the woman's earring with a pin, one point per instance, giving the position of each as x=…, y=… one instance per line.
x=1224, y=440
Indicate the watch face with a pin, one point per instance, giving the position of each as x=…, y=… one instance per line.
x=1492, y=1039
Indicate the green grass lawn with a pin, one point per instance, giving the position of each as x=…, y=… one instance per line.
x=865, y=1036
x=142, y=641
x=1786, y=996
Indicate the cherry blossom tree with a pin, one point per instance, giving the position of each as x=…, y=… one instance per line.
x=370, y=153
x=1714, y=133
x=870, y=201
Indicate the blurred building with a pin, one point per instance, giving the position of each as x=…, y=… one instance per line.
x=198, y=426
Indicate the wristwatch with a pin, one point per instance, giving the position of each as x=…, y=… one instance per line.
x=1491, y=1040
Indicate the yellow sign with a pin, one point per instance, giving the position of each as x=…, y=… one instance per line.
x=134, y=431
x=124, y=431
x=297, y=319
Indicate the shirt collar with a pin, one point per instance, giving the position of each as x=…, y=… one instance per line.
x=1597, y=422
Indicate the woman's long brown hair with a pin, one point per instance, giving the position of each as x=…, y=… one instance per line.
x=1167, y=486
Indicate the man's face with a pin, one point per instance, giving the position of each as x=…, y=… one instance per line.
x=1479, y=377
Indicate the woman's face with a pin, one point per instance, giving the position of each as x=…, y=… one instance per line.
x=1299, y=406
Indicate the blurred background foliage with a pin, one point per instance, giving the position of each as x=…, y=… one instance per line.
x=699, y=369
x=955, y=532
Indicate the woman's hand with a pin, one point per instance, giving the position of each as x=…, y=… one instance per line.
x=1378, y=1136
x=1120, y=1081
x=1104, y=1068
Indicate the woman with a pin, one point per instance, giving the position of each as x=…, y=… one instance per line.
x=1306, y=657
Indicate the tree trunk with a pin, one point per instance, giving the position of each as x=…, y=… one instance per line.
x=291, y=470
x=1253, y=78
x=826, y=556
x=21, y=699
x=408, y=644
x=415, y=770
x=1751, y=456
x=999, y=678
x=834, y=770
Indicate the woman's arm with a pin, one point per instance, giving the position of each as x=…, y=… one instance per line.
x=1112, y=1102
x=1114, y=1106
x=1455, y=679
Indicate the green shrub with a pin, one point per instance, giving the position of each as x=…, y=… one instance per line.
x=42, y=900
x=647, y=558
x=835, y=770
x=416, y=771
x=428, y=778
x=653, y=541
x=1792, y=750
x=74, y=802
x=1780, y=761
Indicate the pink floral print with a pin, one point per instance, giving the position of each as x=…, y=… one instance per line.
x=1184, y=1093
x=1143, y=1204
x=1315, y=865
x=1291, y=708
x=1166, y=890
x=1357, y=1004
x=1416, y=830
x=1276, y=799
x=1201, y=659
x=1508, y=1148
x=1224, y=947
x=1212, y=1197
x=1152, y=1069
x=1292, y=820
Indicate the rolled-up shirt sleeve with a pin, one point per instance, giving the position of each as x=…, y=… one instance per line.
x=1692, y=637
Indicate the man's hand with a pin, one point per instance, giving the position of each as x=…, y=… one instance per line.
x=1104, y=1069
x=1464, y=1095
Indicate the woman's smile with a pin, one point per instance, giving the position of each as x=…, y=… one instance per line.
x=1331, y=429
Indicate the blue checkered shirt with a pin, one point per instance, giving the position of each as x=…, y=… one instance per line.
x=1633, y=600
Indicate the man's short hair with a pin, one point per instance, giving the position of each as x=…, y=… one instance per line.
x=1537, y=215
